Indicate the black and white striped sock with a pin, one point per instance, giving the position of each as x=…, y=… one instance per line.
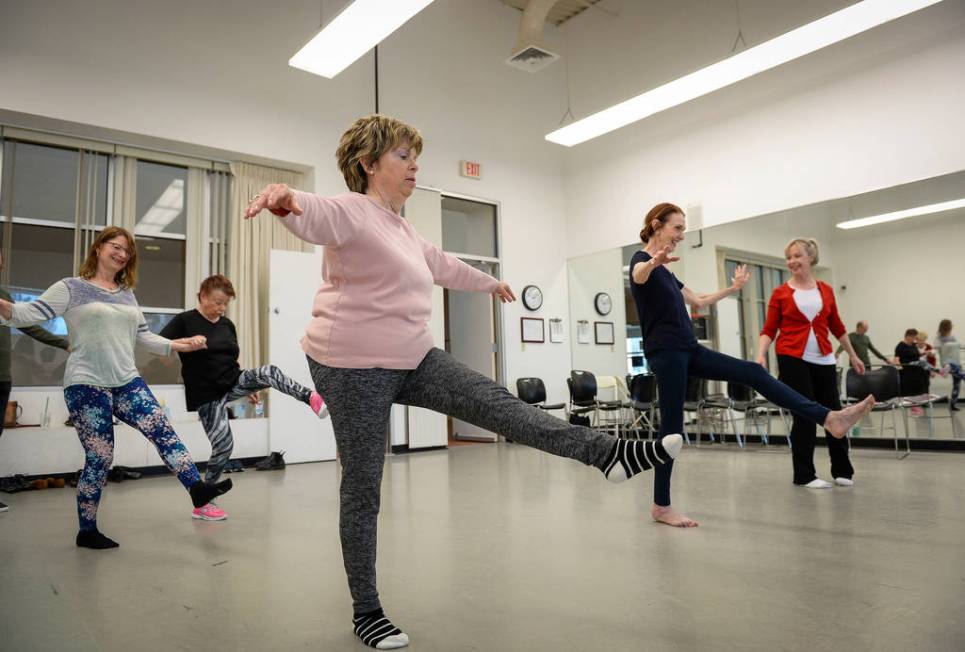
x=375, y=630
x=629, y=458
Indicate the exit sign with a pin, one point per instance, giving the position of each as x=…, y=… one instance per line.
x=470, y=169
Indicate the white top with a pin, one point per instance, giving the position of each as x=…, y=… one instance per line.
x=103, y=327
x=810, y=304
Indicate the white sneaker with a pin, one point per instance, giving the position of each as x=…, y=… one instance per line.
x=844, y=482
x=818, y=483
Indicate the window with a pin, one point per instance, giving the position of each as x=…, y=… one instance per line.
x=57, y=193
x=469, y=227
x=161, y=191
x=753, y=299
x=44, y=192
x=160, y=273
x=219, y=185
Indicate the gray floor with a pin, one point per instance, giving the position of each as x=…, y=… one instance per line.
x=502, y=548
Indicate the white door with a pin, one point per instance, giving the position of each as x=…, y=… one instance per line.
x=424, y=211
x=293, y=279
x=472, y=341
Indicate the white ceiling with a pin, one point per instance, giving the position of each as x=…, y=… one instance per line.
x=561, y=12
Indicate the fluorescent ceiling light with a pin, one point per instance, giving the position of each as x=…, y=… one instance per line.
x=808, y=38
x=900, y=215
x=355, y=31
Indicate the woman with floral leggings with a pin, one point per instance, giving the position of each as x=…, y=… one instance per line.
x=104, y=324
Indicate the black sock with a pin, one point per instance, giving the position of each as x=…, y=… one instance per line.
x=94, y=539
x=203, y=493
x=373, y=628
x=628, y=458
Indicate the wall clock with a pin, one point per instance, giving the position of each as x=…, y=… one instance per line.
x=603, y=303
x=532, y=297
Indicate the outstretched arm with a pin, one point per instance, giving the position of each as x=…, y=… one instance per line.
x=44, y=336
x=52, y=303
x=741, y=276
x=312, y=218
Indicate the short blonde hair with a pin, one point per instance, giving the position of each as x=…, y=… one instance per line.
x=808, y=245
x=367, y=139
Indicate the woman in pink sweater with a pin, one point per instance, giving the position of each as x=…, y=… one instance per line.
x=369, y=346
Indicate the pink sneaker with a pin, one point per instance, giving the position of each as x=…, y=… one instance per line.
x=317, y=403
x=209, y=512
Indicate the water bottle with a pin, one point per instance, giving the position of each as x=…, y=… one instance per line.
x=259, y=409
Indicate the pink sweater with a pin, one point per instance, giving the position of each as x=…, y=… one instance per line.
x=375, y=302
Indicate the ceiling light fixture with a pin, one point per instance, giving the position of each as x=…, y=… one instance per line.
x=900, y=215
x=360, y=27
x=799, y=42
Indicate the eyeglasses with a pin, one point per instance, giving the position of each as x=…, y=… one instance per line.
x=119, y=249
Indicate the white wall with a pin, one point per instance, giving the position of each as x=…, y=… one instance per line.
x=877, y=110
x=907, y=274
x=216, y=74
x=589, y=275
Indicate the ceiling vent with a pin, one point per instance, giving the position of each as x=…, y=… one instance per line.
x=531, y=53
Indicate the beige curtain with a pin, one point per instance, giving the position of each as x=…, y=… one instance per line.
x=249, y=244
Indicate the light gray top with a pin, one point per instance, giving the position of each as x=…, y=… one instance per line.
x=948, y=350
x=103, y=327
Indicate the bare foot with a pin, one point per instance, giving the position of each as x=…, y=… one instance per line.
x=669, y=516
x=840, y=422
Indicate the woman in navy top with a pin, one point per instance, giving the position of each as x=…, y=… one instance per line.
x=673, y=353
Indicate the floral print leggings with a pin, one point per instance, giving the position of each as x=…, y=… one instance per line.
x=91, y=411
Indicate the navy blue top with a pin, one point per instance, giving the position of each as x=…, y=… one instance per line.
x=660, y=307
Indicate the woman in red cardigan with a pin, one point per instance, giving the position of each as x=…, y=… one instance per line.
x=806, y=314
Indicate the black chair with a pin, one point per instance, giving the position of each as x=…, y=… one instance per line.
x=583, y=388
x=643, y=402
x=915, y=385
x=533, y=392
x=884, y=384
x=741, y=399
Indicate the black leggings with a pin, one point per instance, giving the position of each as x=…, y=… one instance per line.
x=672, y=369
x=819, y=382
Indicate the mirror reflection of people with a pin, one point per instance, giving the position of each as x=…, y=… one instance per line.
x=212, y=377
x=915, y=369
x=369, y=345
x=42, y=335
x=674, y=354
x=802, y=316
x=862, y=345
x=104, y=324
x=950, y=357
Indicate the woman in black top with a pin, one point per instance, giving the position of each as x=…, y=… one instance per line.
x=213, y=378
x=673, y=353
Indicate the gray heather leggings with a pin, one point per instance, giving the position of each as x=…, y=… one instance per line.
x=359, y=402
x=214, y=415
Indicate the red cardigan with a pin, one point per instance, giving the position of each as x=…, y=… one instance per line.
x=783, y=315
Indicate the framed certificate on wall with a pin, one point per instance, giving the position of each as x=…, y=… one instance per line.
x=603, y=332
x=533, y=329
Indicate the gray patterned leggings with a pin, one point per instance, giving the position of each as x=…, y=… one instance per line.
x=359, y=402
x=214, y=415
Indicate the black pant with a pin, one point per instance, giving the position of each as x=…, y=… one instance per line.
x=674, y=367
x=5, y=388
x=819, y=382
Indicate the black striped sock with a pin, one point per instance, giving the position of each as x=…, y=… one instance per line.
x=375, y=630
x=628, y=458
